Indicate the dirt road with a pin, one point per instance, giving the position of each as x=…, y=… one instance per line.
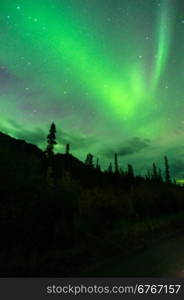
x=165, y=259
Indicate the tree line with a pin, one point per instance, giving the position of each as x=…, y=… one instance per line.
x=155, y=174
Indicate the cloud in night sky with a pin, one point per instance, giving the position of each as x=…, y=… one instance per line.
x=128, y=147
x=38, y=137
x=7, y=79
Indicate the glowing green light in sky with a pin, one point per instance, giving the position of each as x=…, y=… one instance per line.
x=164, y=40
x=99, y=67
x=64, y=44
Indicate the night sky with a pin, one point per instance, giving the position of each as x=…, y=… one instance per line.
x=109, y=73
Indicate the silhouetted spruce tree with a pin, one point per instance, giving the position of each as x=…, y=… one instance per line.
x=98, y=165
x=67, y=149
x=110, y=168
x=89, y=160
x=167, y=171
x=154, y=173
x=116, y=163
x=49, y=152
x=51, y=141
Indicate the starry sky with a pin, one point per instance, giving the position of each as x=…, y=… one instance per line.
x=109, y=73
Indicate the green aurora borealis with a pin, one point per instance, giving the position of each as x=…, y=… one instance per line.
x=108, y=72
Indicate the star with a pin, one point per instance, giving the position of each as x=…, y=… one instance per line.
x=93, y=57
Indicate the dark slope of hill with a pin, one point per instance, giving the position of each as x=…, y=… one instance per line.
x=23, y=164
x=51, y=209
x=79, y=171
x=70, y=163
x=20, y=163
x=30, y=211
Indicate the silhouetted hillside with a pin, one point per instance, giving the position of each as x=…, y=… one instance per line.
x=53, y=206
x=21, y=163
x=24, y=164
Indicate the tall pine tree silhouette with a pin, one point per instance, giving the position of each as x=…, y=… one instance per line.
x=98, y=165
x=49, y=152
x=154, y=172
x=116, y=163
x=167, y=171
x=89, y=160
x=110, y=168
x=51, y=141
x=67, y=149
